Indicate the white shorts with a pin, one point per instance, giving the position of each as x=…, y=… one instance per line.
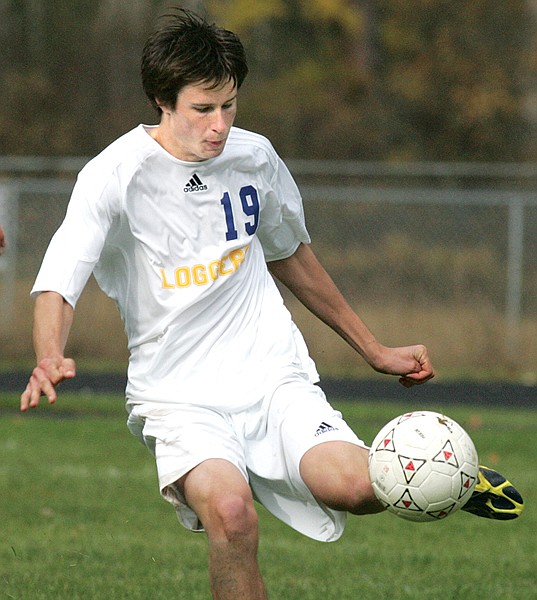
x=265, y=442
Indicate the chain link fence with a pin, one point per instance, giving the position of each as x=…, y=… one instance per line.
x=444, y=254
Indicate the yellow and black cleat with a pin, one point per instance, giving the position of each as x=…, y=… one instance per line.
x=494, y=497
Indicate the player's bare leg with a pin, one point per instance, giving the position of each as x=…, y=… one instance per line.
x=337, y=475
x=222, y=499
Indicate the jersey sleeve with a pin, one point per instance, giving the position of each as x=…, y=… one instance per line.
x=76, y=246
x=282, y=226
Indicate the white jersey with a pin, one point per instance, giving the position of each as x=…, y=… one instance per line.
x=182, y=249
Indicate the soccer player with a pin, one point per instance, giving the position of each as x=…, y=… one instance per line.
x=185, y=224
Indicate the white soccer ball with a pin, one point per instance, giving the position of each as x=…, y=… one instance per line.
x=423, y=466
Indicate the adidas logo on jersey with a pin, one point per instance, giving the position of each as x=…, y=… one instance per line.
x=194, y=185
x=325, y=428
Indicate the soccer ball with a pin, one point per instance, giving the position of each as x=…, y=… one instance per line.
x=423, y=466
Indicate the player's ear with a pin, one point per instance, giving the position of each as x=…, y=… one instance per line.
x=162, y=106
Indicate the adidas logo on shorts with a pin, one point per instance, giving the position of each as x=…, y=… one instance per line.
x=325, y=428
x=194, y=185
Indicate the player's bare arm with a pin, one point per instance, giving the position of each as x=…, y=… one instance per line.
x=53, y=317
x=307, y=279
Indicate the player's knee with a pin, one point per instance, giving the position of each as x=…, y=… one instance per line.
x=337, y=475
x=233, y=517
x=352, y=492
x=355, y=490
x=362, y=499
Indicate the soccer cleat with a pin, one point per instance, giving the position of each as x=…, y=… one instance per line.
x=494, y=497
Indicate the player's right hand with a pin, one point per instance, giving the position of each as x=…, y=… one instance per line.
x=44, y=378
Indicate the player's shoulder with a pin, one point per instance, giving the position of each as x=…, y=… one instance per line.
x=249, y=143
x=123, y=155
x=244, y=136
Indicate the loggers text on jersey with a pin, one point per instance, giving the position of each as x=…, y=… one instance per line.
x=203, y=274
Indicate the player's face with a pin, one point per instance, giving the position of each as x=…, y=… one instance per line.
x=197, y=127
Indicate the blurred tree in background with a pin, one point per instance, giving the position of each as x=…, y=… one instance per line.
x=353, y=79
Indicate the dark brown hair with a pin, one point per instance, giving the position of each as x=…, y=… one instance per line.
x=188, y=50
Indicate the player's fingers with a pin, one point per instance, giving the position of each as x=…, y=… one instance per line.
x=416, y=378
x=68, y=369
x=425, y=370
x=25, y=398
x=44, y=388
x=40, y=384
x=31, y=395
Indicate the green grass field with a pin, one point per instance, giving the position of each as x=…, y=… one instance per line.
x=81, y=518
